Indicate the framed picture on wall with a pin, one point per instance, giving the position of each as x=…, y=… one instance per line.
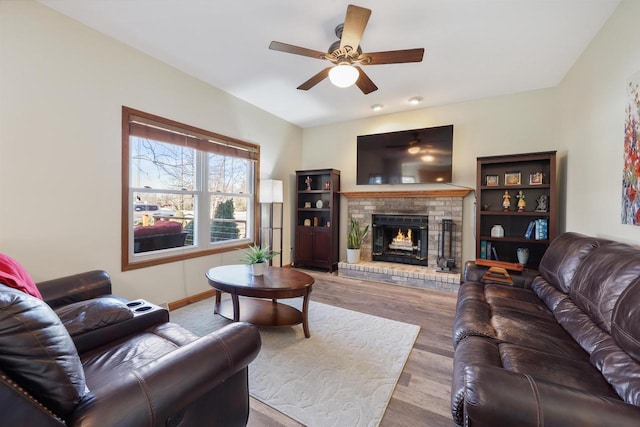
x=512, y=178
x=492, y=181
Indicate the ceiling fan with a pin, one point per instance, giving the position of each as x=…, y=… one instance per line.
x=347, y=56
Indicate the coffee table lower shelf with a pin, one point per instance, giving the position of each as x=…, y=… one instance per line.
x=262, y=312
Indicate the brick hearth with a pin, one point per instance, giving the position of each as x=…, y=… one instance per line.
x=401, y=274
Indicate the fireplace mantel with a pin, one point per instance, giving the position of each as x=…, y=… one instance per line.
x=458, y=192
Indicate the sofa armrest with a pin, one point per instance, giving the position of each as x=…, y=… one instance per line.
x=78, y=287
x=473, y=273
x=494, y=396
x=160, y=390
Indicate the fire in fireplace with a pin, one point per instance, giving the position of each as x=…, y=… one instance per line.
x=400, y=238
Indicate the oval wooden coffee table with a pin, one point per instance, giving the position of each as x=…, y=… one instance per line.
x=276, y=283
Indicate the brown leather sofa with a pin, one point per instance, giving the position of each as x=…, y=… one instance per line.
x=84, y=357
x=562, y=348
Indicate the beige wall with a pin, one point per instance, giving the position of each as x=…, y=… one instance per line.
x=593, y=100
x=62, y=87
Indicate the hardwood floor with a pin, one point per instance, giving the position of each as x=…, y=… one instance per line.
x=421, y=397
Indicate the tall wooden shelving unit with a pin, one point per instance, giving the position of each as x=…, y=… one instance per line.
x=490, y=211
x=317, y=216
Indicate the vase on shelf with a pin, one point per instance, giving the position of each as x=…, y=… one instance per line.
x=497, y=231
x=523, y=255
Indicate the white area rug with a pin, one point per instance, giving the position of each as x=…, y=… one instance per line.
x=343, y=375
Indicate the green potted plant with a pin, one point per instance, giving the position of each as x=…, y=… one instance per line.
x=355, y=237
x=257, y=257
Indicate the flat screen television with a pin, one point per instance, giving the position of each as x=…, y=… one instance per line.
x=418, y=156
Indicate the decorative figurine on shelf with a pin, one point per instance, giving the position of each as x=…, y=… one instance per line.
x=506, y=201
x=308, y=182
x=521, y=202
x=543, y=203
x=327, y=185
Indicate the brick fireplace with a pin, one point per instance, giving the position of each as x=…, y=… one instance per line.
x=435, y=206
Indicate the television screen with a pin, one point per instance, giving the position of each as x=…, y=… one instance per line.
x=415, y=156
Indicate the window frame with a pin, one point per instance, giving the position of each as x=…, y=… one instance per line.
x=201, y=140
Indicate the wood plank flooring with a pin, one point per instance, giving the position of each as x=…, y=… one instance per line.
x=421, y=397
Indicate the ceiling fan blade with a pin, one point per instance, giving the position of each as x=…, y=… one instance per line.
x=354, y=25
x=393, y=57
x=296, y=50
x=364, y=82
x=315, y=79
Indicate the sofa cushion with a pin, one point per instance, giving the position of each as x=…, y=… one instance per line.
x=104, y=363
x=563, y=257
x=83, y=316
x=578, y=374
x=549, y=294
x=12, y=274
x=625, y=327
x=603, y=276
x=535, y=332
x=37, y=352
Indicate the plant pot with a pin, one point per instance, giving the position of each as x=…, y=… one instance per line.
x=353, y=256
x=258, y=268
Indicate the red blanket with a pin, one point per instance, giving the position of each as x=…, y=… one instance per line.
x=12, y=274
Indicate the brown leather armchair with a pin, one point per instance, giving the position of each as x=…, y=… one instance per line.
x=121, y=365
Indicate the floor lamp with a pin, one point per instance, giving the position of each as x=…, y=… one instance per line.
x=270, y=195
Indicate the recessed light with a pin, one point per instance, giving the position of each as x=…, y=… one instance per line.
x=376, y=107
x=415, y=100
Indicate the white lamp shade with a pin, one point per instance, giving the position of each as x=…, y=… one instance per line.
x=343, y=75
x=270, y=191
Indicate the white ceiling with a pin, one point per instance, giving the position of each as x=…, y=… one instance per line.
x=473, y=48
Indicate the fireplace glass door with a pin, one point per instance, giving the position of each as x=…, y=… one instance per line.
x=400, y=238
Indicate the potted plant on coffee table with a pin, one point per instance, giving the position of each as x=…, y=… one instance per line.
x=257, y=257
x=355, y=237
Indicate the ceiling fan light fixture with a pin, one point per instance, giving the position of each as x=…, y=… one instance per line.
x=343, y=75
x=415, y=100
x=413, y=150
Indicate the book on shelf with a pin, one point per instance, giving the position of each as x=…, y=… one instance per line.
x=495, y=253
x=483, y=249
x=489, y=245
x=530, y=228
x=541, y=229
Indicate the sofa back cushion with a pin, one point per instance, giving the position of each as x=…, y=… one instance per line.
x=37, y=352
x=625, y=327
x=563, y=257
x=602, y=278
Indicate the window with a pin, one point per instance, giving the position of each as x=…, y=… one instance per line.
x=186, y=192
